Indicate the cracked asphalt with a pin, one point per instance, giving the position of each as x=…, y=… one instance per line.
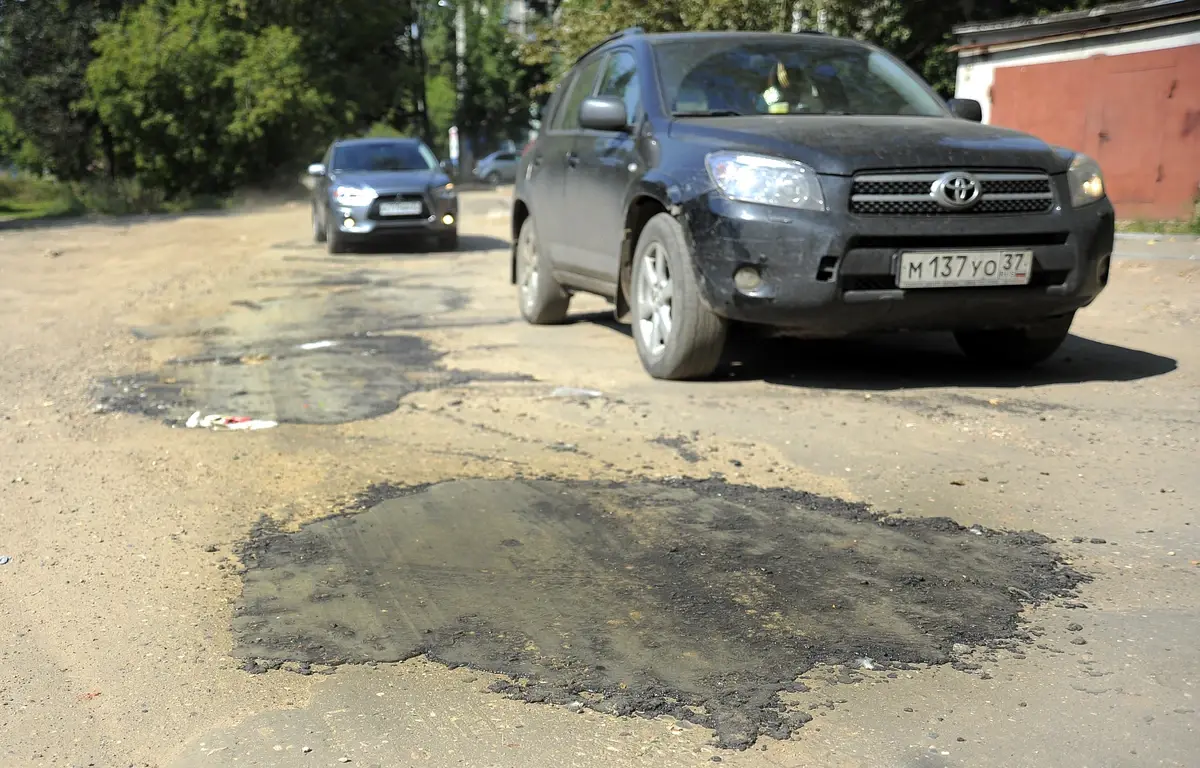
x=472, y=542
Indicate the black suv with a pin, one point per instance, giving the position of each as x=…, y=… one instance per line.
x=802, y=182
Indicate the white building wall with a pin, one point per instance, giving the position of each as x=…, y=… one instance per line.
x=976, y=74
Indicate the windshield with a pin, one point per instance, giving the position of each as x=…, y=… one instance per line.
x=801, y=75
x=384, y=156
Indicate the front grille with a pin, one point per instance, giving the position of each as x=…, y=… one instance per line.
x=958, y=241
x=911, y=194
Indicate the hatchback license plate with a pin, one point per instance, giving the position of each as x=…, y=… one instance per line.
x=406, y=208
x=961, y=269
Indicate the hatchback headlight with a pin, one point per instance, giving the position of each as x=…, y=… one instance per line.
x=766, y=180
x=446, y=191
x=1086, y=181
x=353, y=196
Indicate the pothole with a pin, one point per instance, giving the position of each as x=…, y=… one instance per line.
x=329, y=381
x=329, y=352
x=698, y=599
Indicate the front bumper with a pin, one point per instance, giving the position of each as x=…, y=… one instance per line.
x=438, y=214
x=833, y=273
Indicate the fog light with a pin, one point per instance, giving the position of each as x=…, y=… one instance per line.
x=348, y=223
x=747, y=279
x=447, y=219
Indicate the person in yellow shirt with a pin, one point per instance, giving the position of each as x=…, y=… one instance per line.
x=787, y=92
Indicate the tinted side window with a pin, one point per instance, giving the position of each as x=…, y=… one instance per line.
x=620, y=80
x=506, y=157
x=585, y=83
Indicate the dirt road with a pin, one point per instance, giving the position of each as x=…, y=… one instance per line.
x=472, y=542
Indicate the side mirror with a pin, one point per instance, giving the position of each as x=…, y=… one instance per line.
x=446, y=166
x=316, y=169
x=967, y=109
x=603, y=113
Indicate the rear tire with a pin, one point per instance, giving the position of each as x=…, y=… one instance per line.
x=335, y=241
x=543, y=301
x=1016, y=348
x=317, y=227
x=678, y=337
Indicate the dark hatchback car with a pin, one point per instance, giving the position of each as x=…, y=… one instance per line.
x=368, y=189
x=801, y=183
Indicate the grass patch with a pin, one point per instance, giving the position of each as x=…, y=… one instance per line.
x=25, y=197
x=1169, y=227
x=31, y=198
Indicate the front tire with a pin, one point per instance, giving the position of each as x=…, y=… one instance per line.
x=335, y=241
x=493, y=179
x=678, y=337
x=318, y=228
x=1016, y=348
x=543, y=301
x=448, y=241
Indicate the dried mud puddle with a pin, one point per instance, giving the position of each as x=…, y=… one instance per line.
x=697, y=599
x=328, y=382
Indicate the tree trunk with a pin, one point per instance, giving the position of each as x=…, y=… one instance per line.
x=110, y=150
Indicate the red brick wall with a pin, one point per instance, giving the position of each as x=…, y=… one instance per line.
x=1137, y=114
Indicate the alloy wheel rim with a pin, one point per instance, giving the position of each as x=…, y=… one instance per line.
x=527, y=259
x=654, y=300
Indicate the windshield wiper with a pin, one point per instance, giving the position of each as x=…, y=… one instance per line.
x=708, y=113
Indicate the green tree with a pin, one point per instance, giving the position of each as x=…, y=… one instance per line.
x=496, y=96
x=497, y=84
x=358, y=53
x=583, y=23
x=196, y=104
x=45, y=51
x=15, y=146
x=917, y=31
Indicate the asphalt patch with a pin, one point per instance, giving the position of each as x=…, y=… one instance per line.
x=339, y=381
x=698, y=599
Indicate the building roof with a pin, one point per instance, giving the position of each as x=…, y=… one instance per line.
x=1103, y=19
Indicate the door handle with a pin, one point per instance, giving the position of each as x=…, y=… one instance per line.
x=572, y=160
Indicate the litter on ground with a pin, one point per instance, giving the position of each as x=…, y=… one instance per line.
x=217, y=421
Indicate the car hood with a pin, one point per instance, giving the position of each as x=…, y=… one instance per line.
x=844, y=145
x=392, y=181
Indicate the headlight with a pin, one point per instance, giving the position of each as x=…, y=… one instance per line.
x=353, y=195
x=766, y=180
x=446, y=191
x=1087, y=183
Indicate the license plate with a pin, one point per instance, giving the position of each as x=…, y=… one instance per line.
x=406, y=208
x=962, y=269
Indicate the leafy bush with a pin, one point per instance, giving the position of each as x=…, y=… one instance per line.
x=32, y=197
x=120, y=197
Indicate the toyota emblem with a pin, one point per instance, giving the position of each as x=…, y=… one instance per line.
x=955, y=190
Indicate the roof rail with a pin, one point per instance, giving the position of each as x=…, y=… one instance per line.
x=627, y=32
x=809, y=32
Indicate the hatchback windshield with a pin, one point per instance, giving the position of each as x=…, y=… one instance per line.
x=799, y=75
x=384, y=156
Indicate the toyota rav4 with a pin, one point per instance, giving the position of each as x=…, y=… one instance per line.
x=805, y=183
